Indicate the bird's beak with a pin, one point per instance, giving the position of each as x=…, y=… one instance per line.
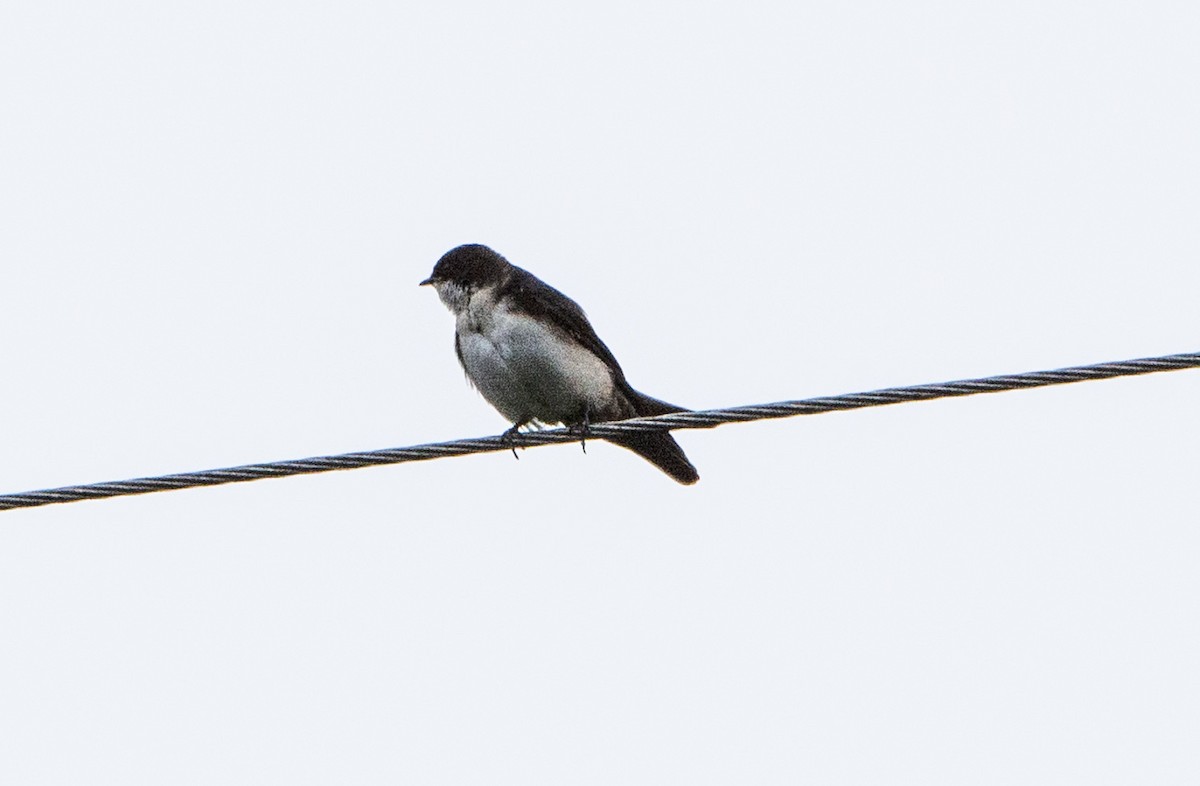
x=426, y=282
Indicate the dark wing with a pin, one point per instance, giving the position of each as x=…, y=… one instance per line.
x=458, y=352
x=544, y=302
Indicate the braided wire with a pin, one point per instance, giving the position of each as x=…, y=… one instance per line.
x=679, y=420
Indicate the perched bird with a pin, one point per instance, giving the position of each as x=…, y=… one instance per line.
x=530, y=350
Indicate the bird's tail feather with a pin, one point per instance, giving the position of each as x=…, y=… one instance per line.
x=648, y=407
x=661, y=450
x=658, y=447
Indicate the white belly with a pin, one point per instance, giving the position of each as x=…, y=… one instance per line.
x=528, y=371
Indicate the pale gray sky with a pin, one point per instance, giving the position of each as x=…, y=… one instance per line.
x=215, y=216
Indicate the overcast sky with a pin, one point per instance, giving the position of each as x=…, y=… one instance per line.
x=213, y=219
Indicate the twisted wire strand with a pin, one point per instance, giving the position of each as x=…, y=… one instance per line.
x=680, y=420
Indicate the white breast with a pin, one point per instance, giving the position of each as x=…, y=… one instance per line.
x=526, y=369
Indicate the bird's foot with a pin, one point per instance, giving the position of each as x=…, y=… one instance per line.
x=509, y=438
x=583, y=429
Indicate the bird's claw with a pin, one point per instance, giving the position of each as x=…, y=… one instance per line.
x=509, y=439
x=583, y=429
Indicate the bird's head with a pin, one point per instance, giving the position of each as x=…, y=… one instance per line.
x=464, y=270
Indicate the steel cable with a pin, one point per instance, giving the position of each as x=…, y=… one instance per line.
x=680, y=420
